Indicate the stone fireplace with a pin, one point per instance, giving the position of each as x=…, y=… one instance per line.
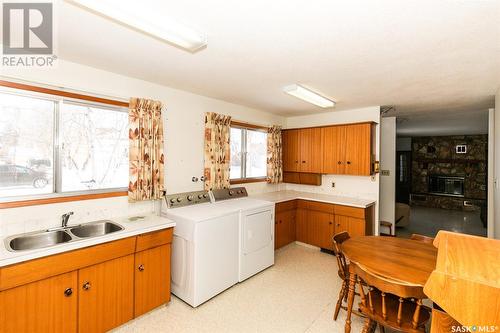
x=449, y=172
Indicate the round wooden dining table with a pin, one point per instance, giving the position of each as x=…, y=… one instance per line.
x=401, y=260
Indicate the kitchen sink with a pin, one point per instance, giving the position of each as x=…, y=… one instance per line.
x=46, y=238
x=94, y=229
x=37, y=240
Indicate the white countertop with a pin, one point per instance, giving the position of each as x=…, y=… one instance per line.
x=282, y=196
x=149, y=223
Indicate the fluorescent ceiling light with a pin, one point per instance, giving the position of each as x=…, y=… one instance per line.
x=165, y=30
x=308, y=96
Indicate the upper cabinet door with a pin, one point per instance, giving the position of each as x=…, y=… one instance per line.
x=358, y=149
x=311, y=150
x=290, y=150
x=334, y=149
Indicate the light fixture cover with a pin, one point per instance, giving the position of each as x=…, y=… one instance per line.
x=166, y=30
x=308, y=96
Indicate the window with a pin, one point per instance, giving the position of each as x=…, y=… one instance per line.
x=52, y=145
x=248, y=153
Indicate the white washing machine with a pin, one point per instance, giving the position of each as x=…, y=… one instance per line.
x=205, y=247
x=256, y=230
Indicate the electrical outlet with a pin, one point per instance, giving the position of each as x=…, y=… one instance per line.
x=385, y=172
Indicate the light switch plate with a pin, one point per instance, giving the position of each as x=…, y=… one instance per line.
x=385, y=172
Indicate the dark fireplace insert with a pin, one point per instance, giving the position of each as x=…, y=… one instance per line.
x=446, y=185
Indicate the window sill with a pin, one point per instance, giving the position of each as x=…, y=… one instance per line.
x=248, y=180
x=45, y=201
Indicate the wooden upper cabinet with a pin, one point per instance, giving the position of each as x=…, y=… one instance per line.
x=290, y=150
x=334, y=149
x=48, y=305
x=311, y=150
x=358, y=153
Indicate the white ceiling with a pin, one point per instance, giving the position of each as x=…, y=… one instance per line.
x=420, y=56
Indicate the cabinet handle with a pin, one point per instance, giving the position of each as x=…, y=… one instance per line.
x=140, y=268
x=330, y=222
x=86, y=286
x=348, y=162
x=339, y=162
x=303, y=161
x=68, y=292
x=338, y=224
x=296, y=161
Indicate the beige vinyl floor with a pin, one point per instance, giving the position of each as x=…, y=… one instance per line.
x=297, y=294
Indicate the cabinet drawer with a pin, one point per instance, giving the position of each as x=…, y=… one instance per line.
x=350, y=211
x=321, y=207
x=287, y=205
x=153, y=239
x=38, y=269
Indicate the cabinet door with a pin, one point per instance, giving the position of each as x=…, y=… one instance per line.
x=152, y=278
x=290, y=150
x=320, y=229
x=334, y=149
x=48, y=305
x=301, y=225
x=292, y=226
x=106, y=295
x=311, y=151
x=341, y=224
x=357, y=227
x=279, y=234
x=358, y=149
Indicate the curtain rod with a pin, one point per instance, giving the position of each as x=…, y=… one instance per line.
x=62, y=88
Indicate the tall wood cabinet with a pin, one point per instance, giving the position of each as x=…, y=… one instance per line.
x=337, y=149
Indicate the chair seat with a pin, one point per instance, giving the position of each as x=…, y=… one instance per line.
x=392, y=304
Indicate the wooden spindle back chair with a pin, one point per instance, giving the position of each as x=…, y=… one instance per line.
x=422, y=238
x=390, y=303
x=343, y=271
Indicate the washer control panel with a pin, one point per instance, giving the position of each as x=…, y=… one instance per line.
x=187, y=199
x=229, y=193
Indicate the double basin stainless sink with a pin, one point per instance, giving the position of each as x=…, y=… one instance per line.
x=51, y=237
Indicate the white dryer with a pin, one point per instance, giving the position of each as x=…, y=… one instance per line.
x=256, y=230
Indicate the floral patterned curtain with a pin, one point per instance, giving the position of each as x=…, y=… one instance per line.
x=217, y=151
x=274, y=155
x=146, y=159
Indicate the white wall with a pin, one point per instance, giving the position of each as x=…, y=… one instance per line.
x=496, y=196
x=491, y=174
x=354, y=186
x=388, y=163
x=184, y=123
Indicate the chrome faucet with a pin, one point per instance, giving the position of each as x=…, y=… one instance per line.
x=65, y=219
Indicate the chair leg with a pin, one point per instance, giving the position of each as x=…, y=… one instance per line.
x=339, y=301
x=381, y=328
x=369, y=325
x=350, y=300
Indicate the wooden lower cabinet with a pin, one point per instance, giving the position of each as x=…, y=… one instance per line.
x=106, y=296
x=320, y=229
x=316, y=223
x=284, y=230
x=93, y=289
x=49, y=305
x=152, y=278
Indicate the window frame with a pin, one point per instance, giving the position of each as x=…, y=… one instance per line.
x=252, y=127
x=59, y=97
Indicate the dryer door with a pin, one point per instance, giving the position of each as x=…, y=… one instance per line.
x=258, y=230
